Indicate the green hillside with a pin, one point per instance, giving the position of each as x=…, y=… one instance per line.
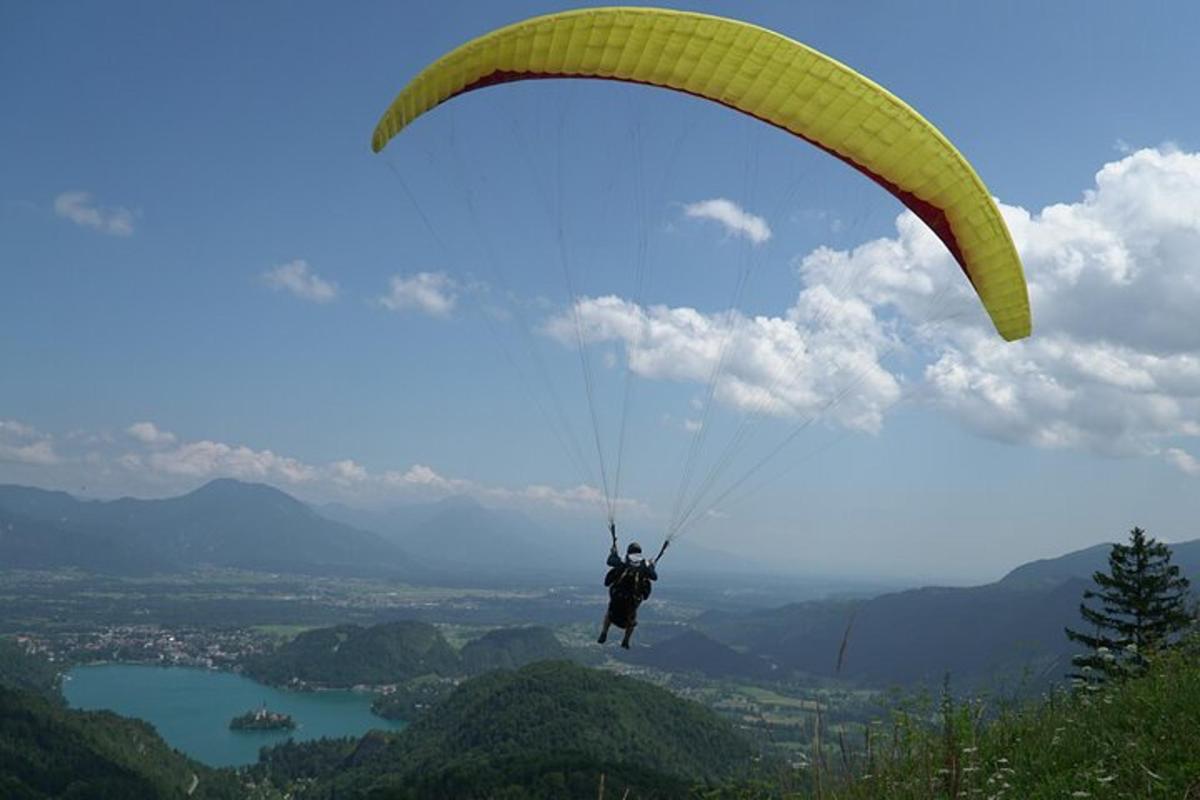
x=348, y=655
x=47, y=751
x=692, y=651
x=31, y=673
x=550, y=730
x=1132, y=740
x=511, y=648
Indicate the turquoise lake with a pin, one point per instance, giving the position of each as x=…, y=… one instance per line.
x=191, y=708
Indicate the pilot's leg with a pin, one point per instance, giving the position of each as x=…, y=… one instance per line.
x=628, y=633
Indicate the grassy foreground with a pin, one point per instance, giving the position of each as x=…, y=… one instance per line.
x=1137, y=739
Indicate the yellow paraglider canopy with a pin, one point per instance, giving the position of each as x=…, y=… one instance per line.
x=771, y=77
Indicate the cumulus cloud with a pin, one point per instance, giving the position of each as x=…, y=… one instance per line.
x=77, y=206
x=1183, y=460
x=424, y=477
x=796, y=366
x=149, y=433
x=298, y=278
x=347, y=472
x=14, y=429
x=433, y=293
x=206, y=458
x=23, y=444
x=733, y=218
x=1113, y=366
x=153, y=460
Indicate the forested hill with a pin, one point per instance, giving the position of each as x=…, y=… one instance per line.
x=49, y=751
x=551, y=728
x=24, y=672
x=348, y=655
x=1083, y=563
x=511, y=648
x=692, y=651
x=225, y=523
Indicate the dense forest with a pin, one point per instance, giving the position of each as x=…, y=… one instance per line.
x=511, y=648
x=48, y=751
x=27, y=672
x=555, y=729
x=350, y=655
x=537, y=732
x=398, y=653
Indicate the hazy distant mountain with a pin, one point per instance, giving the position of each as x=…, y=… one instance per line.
x=692, y=651
x=458, y=537
x=1004, y=631
x=225, y=523
x=1083, y=563
x=27, y=543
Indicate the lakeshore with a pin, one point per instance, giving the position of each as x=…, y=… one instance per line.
x=191, y=708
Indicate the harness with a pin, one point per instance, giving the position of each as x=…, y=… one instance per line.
x=628, y=583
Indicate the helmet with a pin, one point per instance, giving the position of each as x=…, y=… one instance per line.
x=634, y=547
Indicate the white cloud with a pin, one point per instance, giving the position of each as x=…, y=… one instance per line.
x=160, y=463
x=735, y=220
x=1183, y=460
x=1113, y=366
x=298, y=278
x=23, y=444
x=799, y=366
x=206, y=458
x=347, y=472
x=40, y=453
x=14, y=429
x=149, y=433
x=423, y=477
x=163, y=461
x=78, y=207
x=434, y=293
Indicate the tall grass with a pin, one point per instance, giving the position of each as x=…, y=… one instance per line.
x=1139, y=738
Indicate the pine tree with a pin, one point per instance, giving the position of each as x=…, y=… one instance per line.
x=1142, y=609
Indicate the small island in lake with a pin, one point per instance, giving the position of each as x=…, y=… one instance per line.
x=262, y=720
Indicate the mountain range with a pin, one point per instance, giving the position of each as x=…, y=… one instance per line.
x=225, y=523
x=1002, y=633
x=234, y=524
x=980, y=634
x=457, y=536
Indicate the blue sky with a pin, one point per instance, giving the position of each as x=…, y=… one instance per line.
x=169, y=171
